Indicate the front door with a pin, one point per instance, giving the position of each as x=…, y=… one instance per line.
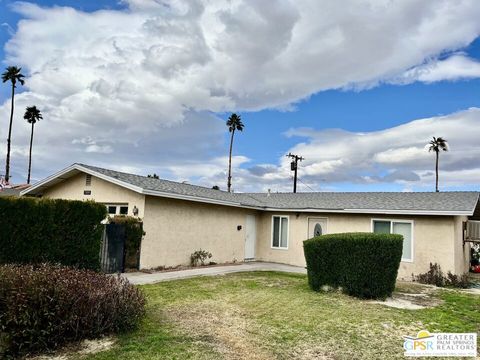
x=316, y=227
x=250, y=237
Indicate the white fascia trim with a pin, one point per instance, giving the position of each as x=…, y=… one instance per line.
x=85, y=170
x=376, y=211
x=48, y=179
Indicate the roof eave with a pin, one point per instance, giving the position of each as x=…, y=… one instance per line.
x=76, y=167
x=373, y=211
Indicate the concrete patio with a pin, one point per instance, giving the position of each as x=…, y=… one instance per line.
x=141, y=278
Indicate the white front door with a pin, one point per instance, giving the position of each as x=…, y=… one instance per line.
x=316, y=227
x=250, y=237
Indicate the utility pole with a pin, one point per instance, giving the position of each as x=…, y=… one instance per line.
x=294, y=167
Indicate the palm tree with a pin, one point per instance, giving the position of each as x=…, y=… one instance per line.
x=12, y=74
x=32, y=115
x=436, y=145
x=234, y=122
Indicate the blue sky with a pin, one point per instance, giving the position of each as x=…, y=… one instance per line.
x=282, y=113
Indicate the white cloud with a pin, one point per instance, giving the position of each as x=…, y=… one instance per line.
x=455, y=67
x=142, y=83
x=400, y=155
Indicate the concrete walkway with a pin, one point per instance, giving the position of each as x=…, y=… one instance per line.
x=141, y=278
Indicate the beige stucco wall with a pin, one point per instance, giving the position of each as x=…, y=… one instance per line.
x=434, y=239
x=102, y=191
x=176, y=228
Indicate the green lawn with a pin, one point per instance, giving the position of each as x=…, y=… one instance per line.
x=275, y=316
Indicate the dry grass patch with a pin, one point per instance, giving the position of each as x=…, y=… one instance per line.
x=412, y=296
x=225, y=326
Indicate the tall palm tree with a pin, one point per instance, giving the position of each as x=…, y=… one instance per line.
x=32, y=115
x=14, y=75
x=234, y=122
x=437, y=145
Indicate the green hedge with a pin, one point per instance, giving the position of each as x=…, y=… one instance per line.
x=57, y=231
x=362, y=264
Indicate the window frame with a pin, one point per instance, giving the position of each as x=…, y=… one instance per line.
x=280, y=232
x=117, y=210
x=403, y=221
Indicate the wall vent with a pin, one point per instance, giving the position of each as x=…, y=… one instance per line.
x=88, y=180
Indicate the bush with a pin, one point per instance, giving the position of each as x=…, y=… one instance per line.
x=133, y=239
x=435, y=276
x=44, y=306
x=57, y=231
x=199, y=256
x=362, y=264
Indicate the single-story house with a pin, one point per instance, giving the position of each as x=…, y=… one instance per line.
x=180, y=218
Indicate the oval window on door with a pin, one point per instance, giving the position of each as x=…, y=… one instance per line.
x=317, y=231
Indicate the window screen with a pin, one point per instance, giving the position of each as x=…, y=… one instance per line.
x=381, y=227
x=397, y=227
x=276, y=231
x=280, y=232
x=284, y=233
x=405, y=229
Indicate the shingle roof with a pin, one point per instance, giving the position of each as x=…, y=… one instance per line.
x=462, y=203
x=173, y=187
x=416, y=201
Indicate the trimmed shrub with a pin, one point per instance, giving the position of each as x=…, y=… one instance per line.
x=44, y=306
x=57, y=231
x=364, y=265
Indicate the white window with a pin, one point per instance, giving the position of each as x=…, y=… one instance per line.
x=401, y=227
x=117, y=209
x=280, y=232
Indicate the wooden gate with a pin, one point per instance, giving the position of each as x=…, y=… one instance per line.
x=112, y=254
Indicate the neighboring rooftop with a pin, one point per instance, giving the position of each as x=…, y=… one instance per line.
x=441, y=203
x=14, y=190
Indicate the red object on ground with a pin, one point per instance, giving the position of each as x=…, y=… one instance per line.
x=476, y=268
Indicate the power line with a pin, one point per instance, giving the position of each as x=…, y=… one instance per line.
x=307, y=185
